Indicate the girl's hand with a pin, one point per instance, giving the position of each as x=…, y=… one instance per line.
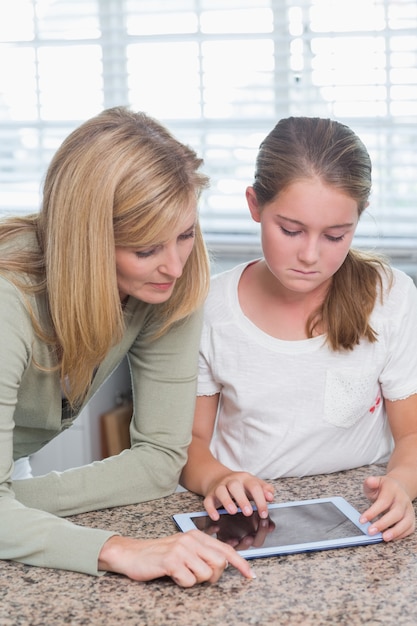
x=234, y=490
x=391, y=505
x=188, y=558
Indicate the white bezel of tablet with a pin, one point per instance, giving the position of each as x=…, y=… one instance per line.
x=318, y=524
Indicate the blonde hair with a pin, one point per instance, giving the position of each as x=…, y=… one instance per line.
x=120, y=179
x=301, y=148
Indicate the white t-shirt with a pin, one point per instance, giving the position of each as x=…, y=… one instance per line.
x=294, y=408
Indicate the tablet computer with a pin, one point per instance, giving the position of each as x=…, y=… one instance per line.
x=300, y=526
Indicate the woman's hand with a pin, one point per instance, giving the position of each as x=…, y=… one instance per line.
x=188, y=558
x=236, y=489
x=391, y=505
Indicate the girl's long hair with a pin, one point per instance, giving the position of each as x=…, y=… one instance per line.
x=301, y=148
x=120, y=179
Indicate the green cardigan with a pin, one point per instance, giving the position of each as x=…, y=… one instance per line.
x=163, y=374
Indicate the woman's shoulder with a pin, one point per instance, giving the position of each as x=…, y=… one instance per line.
x=18, y=240
x=18, y=285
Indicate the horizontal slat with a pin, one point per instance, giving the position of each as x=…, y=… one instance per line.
x=219, y=73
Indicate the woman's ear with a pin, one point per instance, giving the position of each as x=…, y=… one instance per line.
x=253, y=205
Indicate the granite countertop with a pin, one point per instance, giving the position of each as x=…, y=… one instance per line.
x=374, y=585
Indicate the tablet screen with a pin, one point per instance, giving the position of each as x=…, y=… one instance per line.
x=287, y=525
x=299, y=526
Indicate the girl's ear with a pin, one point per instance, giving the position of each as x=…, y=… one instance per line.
x=253, y=205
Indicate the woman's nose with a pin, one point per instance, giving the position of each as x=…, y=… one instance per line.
x=172, y=264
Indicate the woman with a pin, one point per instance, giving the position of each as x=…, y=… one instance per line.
x=308, y=355
x=113, y=265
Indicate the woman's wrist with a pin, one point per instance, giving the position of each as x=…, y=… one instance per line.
x=109, y=554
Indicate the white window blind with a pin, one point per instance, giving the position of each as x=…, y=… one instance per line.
x=220, y=74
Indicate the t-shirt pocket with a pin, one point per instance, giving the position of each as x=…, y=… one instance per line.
x=349, y=395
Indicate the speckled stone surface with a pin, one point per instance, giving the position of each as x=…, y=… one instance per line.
x=373, y=585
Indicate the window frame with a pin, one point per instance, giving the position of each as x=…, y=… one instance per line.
x=293, y=94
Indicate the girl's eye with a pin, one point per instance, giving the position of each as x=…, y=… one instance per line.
x=331, y=238
x=290, y=233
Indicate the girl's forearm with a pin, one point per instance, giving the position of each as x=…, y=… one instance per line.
x=403, y=464
x=201, y=469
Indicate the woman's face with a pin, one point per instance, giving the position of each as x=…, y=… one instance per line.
x=149, y=274
x=306, y=234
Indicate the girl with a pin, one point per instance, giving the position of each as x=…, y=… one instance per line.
x=309, y=355
x=113, y=265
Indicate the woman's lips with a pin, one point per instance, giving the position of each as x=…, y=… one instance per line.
x=161, y=286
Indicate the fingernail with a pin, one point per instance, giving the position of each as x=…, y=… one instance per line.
x=248, y=510
x=372, y=530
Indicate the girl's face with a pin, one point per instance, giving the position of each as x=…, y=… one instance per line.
x=149, y=274
x=306, y=233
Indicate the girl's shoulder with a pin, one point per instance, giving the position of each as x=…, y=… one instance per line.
x=396, y=281
x=398, y=293
x=222, y=299
x=227, y=278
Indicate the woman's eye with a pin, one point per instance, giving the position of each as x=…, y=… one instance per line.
x=143, y=254
x=188, y=235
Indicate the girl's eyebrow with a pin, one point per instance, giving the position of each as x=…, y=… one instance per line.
x=298, y=223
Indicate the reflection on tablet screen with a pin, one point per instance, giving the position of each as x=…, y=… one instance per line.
x=287, y=525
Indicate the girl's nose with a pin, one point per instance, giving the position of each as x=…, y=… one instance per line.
x=309, y=251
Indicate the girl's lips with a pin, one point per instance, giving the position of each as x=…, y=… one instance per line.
x=304, y=273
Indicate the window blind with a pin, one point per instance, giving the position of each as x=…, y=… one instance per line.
x=219, y=74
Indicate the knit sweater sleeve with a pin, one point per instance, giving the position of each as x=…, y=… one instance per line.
x=164, y=374
x=30, y=535
x=163, y=378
